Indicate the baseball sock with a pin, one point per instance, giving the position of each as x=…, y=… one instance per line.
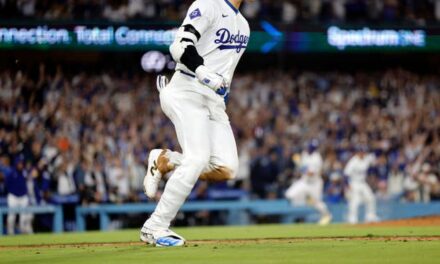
x=176, y=191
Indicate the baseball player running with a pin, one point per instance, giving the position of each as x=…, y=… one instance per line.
x=309, y=188
x=359, y=191
x=207, y=49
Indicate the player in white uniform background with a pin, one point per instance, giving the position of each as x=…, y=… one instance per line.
x=207, y=49
x=309, y=188
x=359, y=191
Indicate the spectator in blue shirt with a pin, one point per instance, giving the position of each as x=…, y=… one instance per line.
x=17, y=195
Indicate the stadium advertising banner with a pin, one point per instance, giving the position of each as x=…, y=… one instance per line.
x=268, y=38
x=364, y=39
x=85, y=37
x=112, y=37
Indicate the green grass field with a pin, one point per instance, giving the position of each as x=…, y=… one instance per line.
x=252, y=244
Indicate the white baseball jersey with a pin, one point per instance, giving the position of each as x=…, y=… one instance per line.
x=224, y=35
x=357, y=168
x=311, y=163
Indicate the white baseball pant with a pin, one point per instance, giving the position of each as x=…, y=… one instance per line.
x=205, y=136
x=25, y=220
x=302, y=189
x=360, y=192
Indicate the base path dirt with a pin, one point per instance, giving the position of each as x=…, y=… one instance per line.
x=195, y=243
x=419, y=221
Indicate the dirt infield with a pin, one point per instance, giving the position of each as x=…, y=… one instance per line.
x=419, y=221
x=196, y=243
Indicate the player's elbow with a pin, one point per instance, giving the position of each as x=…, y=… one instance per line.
x=176, y=51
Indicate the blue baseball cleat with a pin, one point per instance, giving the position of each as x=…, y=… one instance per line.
x=162, y=238
x=169, y=242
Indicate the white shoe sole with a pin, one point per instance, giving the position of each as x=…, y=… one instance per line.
x=153, y=177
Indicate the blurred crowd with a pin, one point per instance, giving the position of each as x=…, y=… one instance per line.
x=395, y=112
x=90, y=134
x=287, y=11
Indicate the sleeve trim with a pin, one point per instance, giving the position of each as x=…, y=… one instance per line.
x=191, y=29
